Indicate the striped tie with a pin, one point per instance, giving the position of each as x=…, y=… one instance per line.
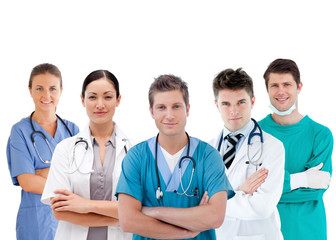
x=231, y=148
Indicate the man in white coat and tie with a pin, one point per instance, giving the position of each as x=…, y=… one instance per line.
x=255, y=170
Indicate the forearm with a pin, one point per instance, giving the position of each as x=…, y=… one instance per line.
x=198, y=219
x=106, y=208
x=87, y=219
x=143, y=225
x=32, y=183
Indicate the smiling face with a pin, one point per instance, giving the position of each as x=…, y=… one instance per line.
x=170, y=112
x=100, y=101
x=235, y=108
x=46, y=91
x=283, y=90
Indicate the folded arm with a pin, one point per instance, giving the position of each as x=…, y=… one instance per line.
x=72, y=208
x=196, y=219
x=134, y=221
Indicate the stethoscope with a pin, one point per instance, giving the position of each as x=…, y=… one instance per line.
x=45, y=138
x=159, y=193
x=256, y=131
x=81, y=140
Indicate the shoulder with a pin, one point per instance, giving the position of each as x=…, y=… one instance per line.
x=72, y=126
x=317, y=127
x=21, y=127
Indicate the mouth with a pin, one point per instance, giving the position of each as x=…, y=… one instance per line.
x=169, y=124
x=235, y=118
x=46, y=102
x=100, y=113
x=282, y=99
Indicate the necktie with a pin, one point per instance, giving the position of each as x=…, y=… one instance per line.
x=231, y=148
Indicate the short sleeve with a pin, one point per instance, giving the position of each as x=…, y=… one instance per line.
x=214, y=173
x=130, y=177
x=18, y=155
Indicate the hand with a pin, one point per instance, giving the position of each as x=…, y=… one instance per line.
x=205, y=199
x=253, y=182
x=42, y=172
x=316, y=178
x=68, y=201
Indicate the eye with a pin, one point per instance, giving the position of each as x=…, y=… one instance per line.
x=161, y=107
x=225, y=104
x=241, y=102
x=109, y=97
x=39, y=89
x=177, y=106
x=91, y=97
x=53, y=89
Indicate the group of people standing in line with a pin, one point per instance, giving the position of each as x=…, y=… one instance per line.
x=254, y=180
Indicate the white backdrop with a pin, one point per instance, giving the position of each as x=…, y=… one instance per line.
x=138, y=40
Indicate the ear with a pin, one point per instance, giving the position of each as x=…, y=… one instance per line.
x=151, y=112
x=215, y=101
x=188, y=108
x=61, y=91
x=252, y=102
x=83, y=103
x=118, y=100
x=30, y=91
x=300, y=87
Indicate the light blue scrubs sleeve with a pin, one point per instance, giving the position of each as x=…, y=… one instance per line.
x=18, y=155
x=214, y=174
x=130, y=176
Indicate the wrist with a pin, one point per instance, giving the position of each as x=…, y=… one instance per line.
x=298, y=180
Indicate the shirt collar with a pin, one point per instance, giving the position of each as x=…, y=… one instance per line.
x=111, y=140
x=245, y=130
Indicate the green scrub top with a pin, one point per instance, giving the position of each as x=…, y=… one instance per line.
x=307, y=144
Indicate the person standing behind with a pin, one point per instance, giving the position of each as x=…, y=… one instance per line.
x=82, y=180
x=29, y=151
x=164, y=178
x=255, y=170
x=308, y=147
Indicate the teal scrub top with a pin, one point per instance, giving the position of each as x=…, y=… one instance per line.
x=138, y=178
x=307, y=144
x=35, y=221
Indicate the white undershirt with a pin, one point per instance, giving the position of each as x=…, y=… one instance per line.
x=172, y=160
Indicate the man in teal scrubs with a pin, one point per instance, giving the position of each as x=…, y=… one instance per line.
x=308, y=146
x=160, y=189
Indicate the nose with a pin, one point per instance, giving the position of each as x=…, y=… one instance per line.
x=234, y=110
x=46, y=95
x=100, y=103
x=170, y=114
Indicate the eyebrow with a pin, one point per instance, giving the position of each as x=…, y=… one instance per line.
x=103, y=93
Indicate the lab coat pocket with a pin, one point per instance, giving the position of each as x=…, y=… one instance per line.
x=255, y=237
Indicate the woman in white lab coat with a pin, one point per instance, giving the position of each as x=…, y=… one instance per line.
x=85, y=168
x=254, y=216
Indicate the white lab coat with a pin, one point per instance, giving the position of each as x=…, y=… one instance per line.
x=254, y=217
x=79, y=182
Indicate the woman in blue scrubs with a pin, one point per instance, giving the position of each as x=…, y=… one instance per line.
x=29, y=150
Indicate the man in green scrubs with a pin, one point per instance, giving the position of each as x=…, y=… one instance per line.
x=308, y=146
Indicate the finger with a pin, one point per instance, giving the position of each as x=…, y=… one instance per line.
x=59, y=198
x=62, y=191
x=317, y=167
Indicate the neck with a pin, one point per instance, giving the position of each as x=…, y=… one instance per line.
x=44, y=117
x=290, y=119
x=173, y=144
x=102, y=131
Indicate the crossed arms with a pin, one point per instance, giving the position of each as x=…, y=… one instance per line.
x=171, y=223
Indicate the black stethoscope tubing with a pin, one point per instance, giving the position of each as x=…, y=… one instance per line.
x=159, y=193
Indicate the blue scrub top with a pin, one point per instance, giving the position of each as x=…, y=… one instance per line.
x=138, y=178
x=34, y=220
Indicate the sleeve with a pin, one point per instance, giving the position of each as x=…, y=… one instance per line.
x=130, y=176
x=322, y=151
x=263, y=202
x=19, y=158
x=58, y=178
x=214, y=173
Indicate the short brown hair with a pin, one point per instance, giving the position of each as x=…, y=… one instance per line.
x=283, y=66
x=233, y=80
x=168, y=82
